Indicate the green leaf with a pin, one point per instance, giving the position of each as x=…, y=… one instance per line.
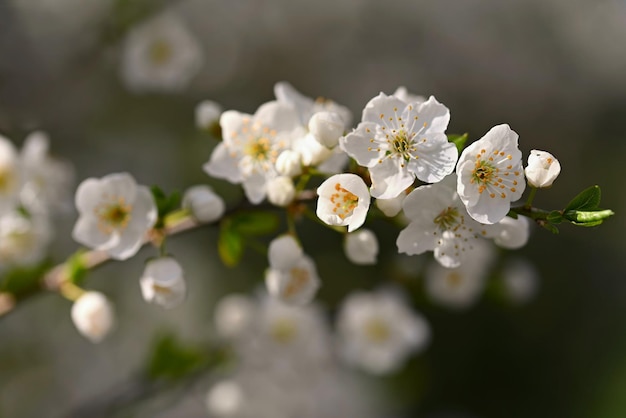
x=171, y=360
x=255, y=223
x=458, y=140
x=588, y=199
x=76, y=269
x=549, y=227
x=588, y=218
x=555, y=217
x=164, y=203
x=230, y=244
x=21, y=281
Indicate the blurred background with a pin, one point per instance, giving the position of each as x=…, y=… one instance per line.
x=554, y=70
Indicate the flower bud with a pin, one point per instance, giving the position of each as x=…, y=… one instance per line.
x=288, y=163
x=312, y=152
x=234, y=315
x=542, y=169
x=510, y=233
x=225, y=399
x=296, y=285
x=207, y=114
x=284, y=252
x=281, y=191
x=326, y=128
x=163, y=282
x=391, y=207
x=361, y=247
x=203, y=203
x=92, y=315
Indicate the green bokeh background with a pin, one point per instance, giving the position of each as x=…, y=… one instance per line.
x=554, y=70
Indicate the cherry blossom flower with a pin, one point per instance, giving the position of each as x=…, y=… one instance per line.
x=326, y=128
x=378, y=331
x=281, y=191
x=23, y=239
x=93, y=316
x=542, y=169
x=10, y=176
x=361, y=247
x=490, y=175
x=204, y=204
x=521, y=280
x=207, y=114
x=398, y=142
x=343, y=200
x=251, y=145
x=114, y=214
x=163, y=283
x=439, y=223
x=510, y=233
x=160, y=55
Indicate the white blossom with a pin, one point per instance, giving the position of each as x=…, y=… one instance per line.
x=114, y=214
x=204, y=204
x=311, y=152
x=403, y=94
x=361, y=247
x=93, y=316
x=490, y=175
x=23, y=239
x=234, y=316
x=343, y=200
x=510, y=233
x=398, y=142
x=439, y=223
x=378, y=331
x=460, y=287
x=280, y=191
x=160, y=55
x=289, y=163
x=284, y=252
x=326, y=128
x=163, y=282
x=225, y=399
x=10, y=177
x=391, y=207
x=251, y=146
x=207, y=114
x=335, y=163
x=542, y=169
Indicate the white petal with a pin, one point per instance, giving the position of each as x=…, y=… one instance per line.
x=284, y=252
x=357, y=145
x=223, y=165
x=389, y=178
x=434, y=114
x=387, y=106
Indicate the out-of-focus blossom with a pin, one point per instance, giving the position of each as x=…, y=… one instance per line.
x=160, y=55
x=391, y=207
x=510, y=233
x=10, y=178
x=204, y=204
x=163, y=282
x=93, y=316
x=460, y=288
x=378, y=331
x=542, y=169
x=490, y=175
x=326, y=128
x=403, y=94
x=234, y=316
x=207, y=114
x=280, y=191
x=521, y=280
x=24, y=239
x=361, y=247
x=289, y=163
x=398, y=142
x=343, y=200
x=114, y=214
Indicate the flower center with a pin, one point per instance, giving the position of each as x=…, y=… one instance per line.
x=448, y=218
x=454, y=279
x=259, y=149
x=113, y=215
x=483, y=172
x=160, y=52
x=344, y=202
x=283, y=330
x=299, y=278
x=376, y=330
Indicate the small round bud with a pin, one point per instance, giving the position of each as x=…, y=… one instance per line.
x=163, y=282
x=225, y=399
x=281, y=191
x=326, y=128
x=92, y=315
x=207, y=114
x=361, y=247
x=511, y=233
x=288, y=163
x=542, y=169
x=203, y=203
x=312, y=152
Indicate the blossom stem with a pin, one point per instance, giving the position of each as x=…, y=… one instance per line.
x=70, y=291
x=529, y=202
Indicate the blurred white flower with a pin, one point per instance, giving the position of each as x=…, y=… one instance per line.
x=343, y=200
x=160, y=55
x=23, y=239
x=10, y=178
x=510, y=233
x=542, y=169
x=280, y=191
x=207, y=114
x=251, y=147
x=47, y=182
x=460, y=288
x=403, y=94
x=225, y=399
x=311, y=152
x=490, y=175
x=292, y=276
x=204, y=204
x=289, y=163
x=361, y=247
x=326, y=128
x=114, y=214
x=163, y=282
x=391, y=207
x=234, y=316
x=521, y=280
x=398, y=142
x=378, y=331
x=335, y=163
x=93, y=316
